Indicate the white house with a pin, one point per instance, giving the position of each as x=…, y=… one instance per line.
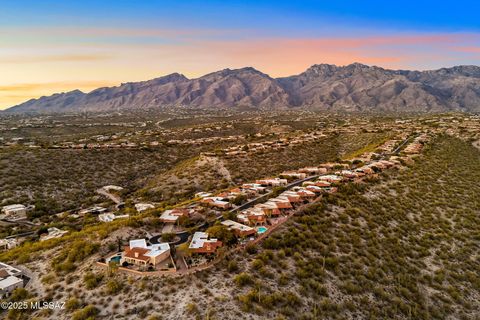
x=109, y=217
x=6, y=244
x=143, y=206
x=53, y=232
x=15, y=212
x=8, y=284
x=139, y=253
x=10, y=279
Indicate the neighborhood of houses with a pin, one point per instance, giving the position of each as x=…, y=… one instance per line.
x=249, y=212
x=265, y=204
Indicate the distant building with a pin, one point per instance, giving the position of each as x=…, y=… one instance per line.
x=274, y=182
x=331, y=178
x=217, y=202
x=313, y=170
x=109, y=217
x=143, y=206
x=52, y=234
x=92, y=210
x=294, y=174
x=112, y=187
x=172, y=216
x=7, y=244
x=15, y=212
x=202, y=194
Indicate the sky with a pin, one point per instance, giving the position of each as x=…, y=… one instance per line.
x=57, y=46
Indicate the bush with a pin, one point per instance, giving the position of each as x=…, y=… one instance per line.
x=251, y=248
x=168, y=237
x=114, y=286
x=243, y=279
x=72, y=304
x=232, y=266
x=87, y=313
x=92, y=280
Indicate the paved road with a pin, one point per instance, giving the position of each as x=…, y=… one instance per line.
x=396, y=151
x=182, y=235
x=19, y=235
x=24, y=222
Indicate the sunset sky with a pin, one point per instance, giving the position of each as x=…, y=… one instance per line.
x=53, y=46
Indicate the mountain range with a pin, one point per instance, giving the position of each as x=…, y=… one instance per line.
x=355, y=87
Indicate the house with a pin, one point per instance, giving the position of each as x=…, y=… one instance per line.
x=112, y=188
x=322, y=184
x=143, y=206
x=10, y=279
x=202, y=244
x=252, y=216
x=331, y=166
x=240, y=230
x=172, y=215
x=235, y=192
x=283, y=203
x=292, y=196
x=313, y=170
x=109, y=217
x=305, y=194
x=52, y=234
x=294, y=174
x=331, y=178
x=7, y=244
x=14, y=209
x=347, y=174
x=387, y=163
x=255, y=187
x=366, y=170
x=325, y=186
x=139, y=253
x=8, y=284
x=274, y=182
x=15, y=212
x=92, y=210
x=217, y=202
x=314, y=188
x=202, y=194
x=269, y=208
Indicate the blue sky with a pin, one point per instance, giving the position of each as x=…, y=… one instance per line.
x=411, y=15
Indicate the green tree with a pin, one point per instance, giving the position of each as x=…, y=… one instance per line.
x=222, y=233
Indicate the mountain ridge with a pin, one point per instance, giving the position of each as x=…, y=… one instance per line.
x=354, y=87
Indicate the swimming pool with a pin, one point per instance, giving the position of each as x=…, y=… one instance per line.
x=261, y=229
x=116, y=259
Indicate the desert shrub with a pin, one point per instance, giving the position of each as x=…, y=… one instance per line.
x=87, y=313
x=243, y=279
x=92, y=280
x=113, y=287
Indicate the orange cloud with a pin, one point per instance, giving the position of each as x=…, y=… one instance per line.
x=55, y=58
x=283, y=56
x=53, y=85
x=17, y=93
